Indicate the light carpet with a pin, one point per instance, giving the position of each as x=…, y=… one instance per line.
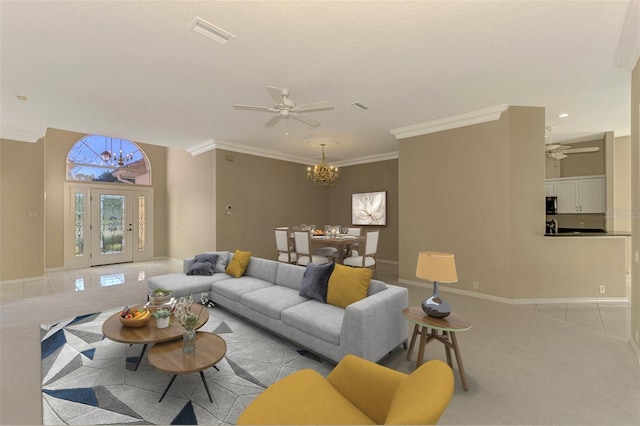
x=85, y=379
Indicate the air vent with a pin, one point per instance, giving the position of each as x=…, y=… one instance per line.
x=209, y=30
x=359, y=105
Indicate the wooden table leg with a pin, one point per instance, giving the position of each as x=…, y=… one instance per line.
x=456, y=351
x=413, y=341
x=423, y=343
x=447, y=349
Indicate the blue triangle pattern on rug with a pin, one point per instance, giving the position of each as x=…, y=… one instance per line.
x=89, y=353
x=53, y=343
x=79, y=395
x=186, y=416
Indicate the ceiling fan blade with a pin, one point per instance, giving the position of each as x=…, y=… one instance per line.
x=581, y=150
x=276, y=118
x=552, y=147
x=305, y=120
x=254, y=108
x=314, y=106
x=557, y=155
x=275, y=93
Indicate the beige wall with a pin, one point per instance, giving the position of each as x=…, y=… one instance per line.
x=191, y=220
x=45, y=162
x=622, y=186
x=372, y=177
x=477, y=191
x=635, y=205
x=21, y=209
x=263, y=193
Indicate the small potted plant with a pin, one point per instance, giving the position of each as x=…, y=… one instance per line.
x=160, y=296
x=162, y=317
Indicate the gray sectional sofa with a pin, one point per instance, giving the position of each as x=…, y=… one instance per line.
x=268, y=295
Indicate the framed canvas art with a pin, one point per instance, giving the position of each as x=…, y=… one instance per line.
x=369, y=208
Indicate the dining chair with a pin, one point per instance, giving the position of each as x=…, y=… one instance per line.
x=303, y=251
x=354, y=247
x=286, y=253
x=368, y=260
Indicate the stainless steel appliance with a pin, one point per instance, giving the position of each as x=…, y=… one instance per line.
x=552, y=205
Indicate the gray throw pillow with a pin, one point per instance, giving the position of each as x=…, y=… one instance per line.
x=201, y=268
x=203, y=264
x=315, y=281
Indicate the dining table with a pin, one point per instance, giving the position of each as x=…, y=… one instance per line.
x=342, y=242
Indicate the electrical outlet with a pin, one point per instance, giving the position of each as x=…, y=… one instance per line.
x=602, y=289
x=476, y=285
x=581, y=224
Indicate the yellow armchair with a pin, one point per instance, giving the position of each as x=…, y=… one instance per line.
x=357, y=391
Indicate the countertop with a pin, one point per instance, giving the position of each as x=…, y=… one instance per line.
x=579, y=232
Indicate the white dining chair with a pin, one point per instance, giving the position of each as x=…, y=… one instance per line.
x=303, y=250
x=354, y=247
x=286, y=253
x=368, y=260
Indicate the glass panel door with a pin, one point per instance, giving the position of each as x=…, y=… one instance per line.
x=111, y=226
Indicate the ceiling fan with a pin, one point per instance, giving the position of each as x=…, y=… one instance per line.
x=285, y=107
x=560, y=152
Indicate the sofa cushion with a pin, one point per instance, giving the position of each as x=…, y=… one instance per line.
x=264, y=269
x=290, y=275
x=271, y=301
x=316, y=280
x=184, y=285
x=299, y=398
x=317, y=319
x=238, y=263
x=348, y=285
x=234, y=288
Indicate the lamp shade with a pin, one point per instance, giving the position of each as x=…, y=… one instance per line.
x=437, y=267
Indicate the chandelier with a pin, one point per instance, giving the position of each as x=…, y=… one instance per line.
x=112, y=159
x=322, y=174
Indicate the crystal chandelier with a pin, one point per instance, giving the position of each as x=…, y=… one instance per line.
x=322, y=174
x=112, y=159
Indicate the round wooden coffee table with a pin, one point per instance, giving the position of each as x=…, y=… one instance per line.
x=113, y=329
x=169, y=357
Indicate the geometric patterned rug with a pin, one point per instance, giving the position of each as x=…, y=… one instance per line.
x=85, y=379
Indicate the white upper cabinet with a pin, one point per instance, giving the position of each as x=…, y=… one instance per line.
x=580, y=195
x=550, y=188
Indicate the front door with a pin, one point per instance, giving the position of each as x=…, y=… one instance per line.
x=111, y=226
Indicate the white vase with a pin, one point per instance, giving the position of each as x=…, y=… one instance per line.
x=162, y=322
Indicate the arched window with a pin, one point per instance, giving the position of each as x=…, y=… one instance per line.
x=98, y=158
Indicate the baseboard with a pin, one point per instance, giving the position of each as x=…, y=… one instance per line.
x=519, y=301
x=390, y=262
x=21, y=280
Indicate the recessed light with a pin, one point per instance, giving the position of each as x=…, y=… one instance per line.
x=22, y=98
x=563, y=115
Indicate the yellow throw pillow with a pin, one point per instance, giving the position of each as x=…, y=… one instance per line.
x=348, y=285
x=239, y=263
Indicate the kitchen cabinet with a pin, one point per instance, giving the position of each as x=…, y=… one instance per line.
x=550, y=188
x=580, y=195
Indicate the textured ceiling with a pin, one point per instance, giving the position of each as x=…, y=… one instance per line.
x=134, y=69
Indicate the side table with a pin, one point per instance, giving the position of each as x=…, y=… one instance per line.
x=429, y=329
x=168, y=357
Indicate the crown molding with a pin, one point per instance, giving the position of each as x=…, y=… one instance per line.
x=452, y=122
x=201, y=148
x=20, y=137
x=368, y=159
x=628, y=50
x=276, y=155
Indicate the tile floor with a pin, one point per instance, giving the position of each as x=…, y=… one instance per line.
x=612, y=318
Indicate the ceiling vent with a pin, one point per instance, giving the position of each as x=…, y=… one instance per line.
x=209, y=30
x=359, y=105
